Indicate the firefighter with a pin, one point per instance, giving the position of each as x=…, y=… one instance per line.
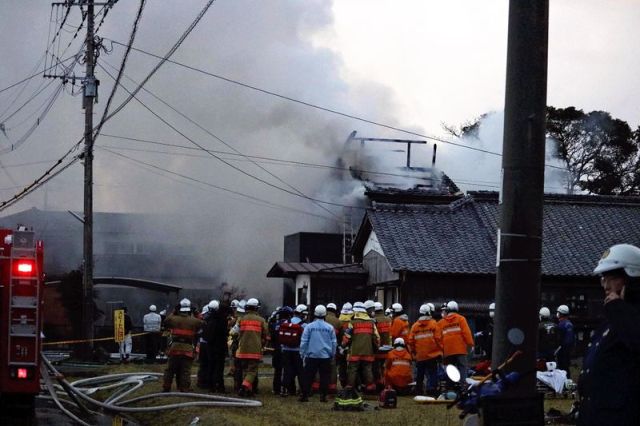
x=383, y=324
x=346, y=313
x=547, y=337
x=289, y=334
x=400, y=324
x=361, y=337
x=202, y=352
x=398, y=371
x=485, y=337
x=152, y=323
x=127, y=342
x=253, y=334
x=425, y=343
x=234, y=340
x=566, y=337
x=457, y=339
x=183, y=328
x=609, y=385
x=317, y=349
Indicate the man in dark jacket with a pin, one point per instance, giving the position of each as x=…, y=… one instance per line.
x=566, y=337
x=609, y=384
x=216, y=333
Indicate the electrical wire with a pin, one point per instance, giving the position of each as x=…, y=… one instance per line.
x=321, y=108
x=244, y=172
x=207, y=131
x=263, y=202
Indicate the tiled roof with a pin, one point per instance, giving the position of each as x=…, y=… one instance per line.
x=291, y=269
x=461, y=237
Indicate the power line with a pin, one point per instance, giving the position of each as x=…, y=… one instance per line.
x=207, y=131
x=231, y=191
x=326, y=109
x=244, y=172
x=11, y=86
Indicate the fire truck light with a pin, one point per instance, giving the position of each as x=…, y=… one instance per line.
x=22, y=373
x=25, y=267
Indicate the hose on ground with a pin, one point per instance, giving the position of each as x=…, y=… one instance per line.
x=125, y=384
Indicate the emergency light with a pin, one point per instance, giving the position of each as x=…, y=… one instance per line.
x=22, y=373
x=24, y=267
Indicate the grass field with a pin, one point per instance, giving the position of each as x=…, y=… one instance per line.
x=288, y=411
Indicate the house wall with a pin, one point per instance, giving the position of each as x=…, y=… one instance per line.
x=378, y=268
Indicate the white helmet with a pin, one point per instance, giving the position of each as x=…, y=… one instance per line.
x=205, y=309
x=544, y=312
x=346, y=308
x=359, y=307
x=620, y=256
x=332, y=306
x=301, y=309
x=398, y=342
x=152, y=308
x=425, y=310
x=241, y=305
x=432, y=307
x=234, y=303
x=492, y=309
x=320, y=311
x=388, y=311
x=377, y=306
x=214, y=305
x=185, y=305
x=452, y=306
x=253, y=303
x=369, y=304
x=563, y=310
x=163, y=312
x=396, y=307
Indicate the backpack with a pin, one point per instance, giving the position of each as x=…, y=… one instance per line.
x=290, y=334
x=347, y=399
x=388, y=398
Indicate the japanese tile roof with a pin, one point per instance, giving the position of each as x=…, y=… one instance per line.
x=291, y=269
x=460, y=237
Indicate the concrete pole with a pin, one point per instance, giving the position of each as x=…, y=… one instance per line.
x=520, y=232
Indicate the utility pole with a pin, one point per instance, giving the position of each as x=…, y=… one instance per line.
x=520, y=232
x=90, y=93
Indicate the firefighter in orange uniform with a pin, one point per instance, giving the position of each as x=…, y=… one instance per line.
x=400, y=324
x=457, y=339
x=183, y=328
x=332, y=319
x=383, y=323
x=362, y=337
x=425, y=344
x=253, y=333
x=398, y=372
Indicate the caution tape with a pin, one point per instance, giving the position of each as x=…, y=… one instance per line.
x=102, y=339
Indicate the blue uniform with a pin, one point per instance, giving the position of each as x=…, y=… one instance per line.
x=566, y=336
x=318, y=340
x=609, y=383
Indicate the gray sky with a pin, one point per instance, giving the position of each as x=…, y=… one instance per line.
x=410, y=64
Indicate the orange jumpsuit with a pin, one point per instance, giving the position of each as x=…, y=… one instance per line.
x=399, y=327
x=456, y=335
x=398, y=372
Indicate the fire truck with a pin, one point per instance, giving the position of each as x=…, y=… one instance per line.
x=21, y=283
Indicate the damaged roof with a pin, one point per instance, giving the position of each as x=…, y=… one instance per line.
x=291, y=269
x=460, y=237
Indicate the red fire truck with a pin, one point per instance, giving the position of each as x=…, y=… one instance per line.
x=21, y=283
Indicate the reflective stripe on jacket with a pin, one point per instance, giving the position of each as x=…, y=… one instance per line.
x=456, y=335
x=425, y=341
x=398, y=371
x=183, y=328
x=362, y=336
x=253, y=334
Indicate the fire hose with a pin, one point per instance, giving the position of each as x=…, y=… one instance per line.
x=125, y=384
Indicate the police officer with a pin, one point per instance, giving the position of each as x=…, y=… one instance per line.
x=183, y=328
x=609, y=385
x=317, y=348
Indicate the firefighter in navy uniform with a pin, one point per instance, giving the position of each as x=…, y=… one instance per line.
x=609, y=384
x=183, y=328
x=566, y=336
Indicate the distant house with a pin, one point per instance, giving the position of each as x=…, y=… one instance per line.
x=437, y=252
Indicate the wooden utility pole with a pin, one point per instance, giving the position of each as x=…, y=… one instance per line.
x=90, y=93
x=522, y=197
